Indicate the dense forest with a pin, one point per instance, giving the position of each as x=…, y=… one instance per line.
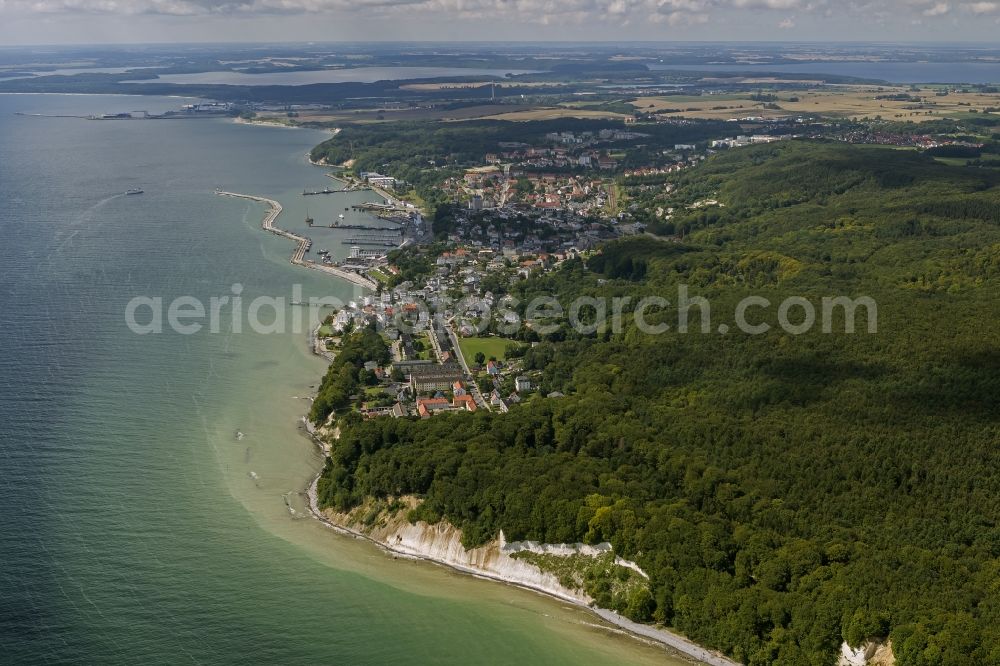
x=783, y=492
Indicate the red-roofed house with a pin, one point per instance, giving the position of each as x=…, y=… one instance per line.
x=466, y=402
x=427, y=407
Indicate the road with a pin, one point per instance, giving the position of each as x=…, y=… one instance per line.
x=470, y=380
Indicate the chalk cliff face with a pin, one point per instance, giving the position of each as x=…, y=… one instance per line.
x=872, y=653
x=443, y=543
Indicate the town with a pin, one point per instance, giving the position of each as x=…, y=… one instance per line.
x=517, y=210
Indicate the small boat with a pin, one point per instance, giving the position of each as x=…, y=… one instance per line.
x=135, y=190
x=341, y=216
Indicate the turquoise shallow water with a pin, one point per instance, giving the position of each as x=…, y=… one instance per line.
x=134, y=525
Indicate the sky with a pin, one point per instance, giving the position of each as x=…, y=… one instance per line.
x=143, y=21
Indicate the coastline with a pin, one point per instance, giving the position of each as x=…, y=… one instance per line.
x=333, y=132
x=350, y=181
x=302, y=243
x=638, y=631
x=264, y=123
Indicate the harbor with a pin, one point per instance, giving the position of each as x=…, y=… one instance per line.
x=302, y=244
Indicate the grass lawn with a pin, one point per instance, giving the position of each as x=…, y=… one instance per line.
x=489, y=347
x=961, y=161
x=379, y=275
x=428, y=352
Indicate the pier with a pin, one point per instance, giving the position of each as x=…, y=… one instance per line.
x=386, y=212
x=302, y=244
x=372, y=242
x=383, y=208
x=335, y=225
x=350, y=185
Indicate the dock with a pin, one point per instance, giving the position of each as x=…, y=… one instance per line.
x=372, y=243
x=384, y=208
x=302, y=244
x=335, y=225
x=349, y=184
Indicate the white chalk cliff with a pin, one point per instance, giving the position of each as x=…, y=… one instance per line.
x=871, y=653
x=442, y=543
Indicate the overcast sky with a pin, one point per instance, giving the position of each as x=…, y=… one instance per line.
x=129, y=21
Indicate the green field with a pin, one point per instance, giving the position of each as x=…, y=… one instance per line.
x=379, y=275
x=962, y=161
x=489, y=346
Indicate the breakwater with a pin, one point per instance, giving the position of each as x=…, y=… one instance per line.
x=302, y=244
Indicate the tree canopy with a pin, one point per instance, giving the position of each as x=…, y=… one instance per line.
x=783, y=492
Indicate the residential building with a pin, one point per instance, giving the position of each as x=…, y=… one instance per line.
x=434, y=377
x=427, y=407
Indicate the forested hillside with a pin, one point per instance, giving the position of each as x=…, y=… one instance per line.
x=784, y=492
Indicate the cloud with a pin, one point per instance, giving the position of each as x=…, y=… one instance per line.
x=982, y=7
x=544, y=12
x=512, y=8
x=767, y=4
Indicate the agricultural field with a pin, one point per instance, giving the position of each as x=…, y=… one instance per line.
x=397, y=115
x=889, y=102
x=465, y=85
x=554, y=113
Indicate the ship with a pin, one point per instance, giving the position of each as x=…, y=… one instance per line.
x=134, y=190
